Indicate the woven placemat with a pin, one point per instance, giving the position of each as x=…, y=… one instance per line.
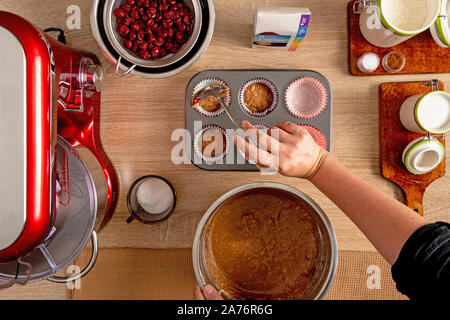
x=168, y=275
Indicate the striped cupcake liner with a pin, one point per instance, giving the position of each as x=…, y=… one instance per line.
x=259, y=126
x=226, y=99
x=317, y=135
x=272, y=88
x=199, y=152
x=306, y=98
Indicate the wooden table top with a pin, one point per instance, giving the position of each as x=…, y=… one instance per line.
x=139, y=115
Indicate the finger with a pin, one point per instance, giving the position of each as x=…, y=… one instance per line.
x=279, y=134
x=252, y=152
x=211, y=293
x=198, y=294
x=263, y=139
x=288, y=126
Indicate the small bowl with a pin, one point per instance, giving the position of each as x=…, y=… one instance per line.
x=328, y=251
x=116, y=40
x=138, y=213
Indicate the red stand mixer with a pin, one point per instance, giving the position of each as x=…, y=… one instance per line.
x=57, y=185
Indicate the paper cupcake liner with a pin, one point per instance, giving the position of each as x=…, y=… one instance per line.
x=317, y=135
x=259, y=126
x=226, y=99
x=306, y=97
x=199, y=153
x=270, y=85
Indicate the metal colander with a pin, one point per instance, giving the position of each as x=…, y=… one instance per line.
x=116, y=40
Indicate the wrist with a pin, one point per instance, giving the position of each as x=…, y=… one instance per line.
x=317, y=164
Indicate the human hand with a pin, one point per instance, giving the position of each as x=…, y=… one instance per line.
x=287, y=148
x=208, y=293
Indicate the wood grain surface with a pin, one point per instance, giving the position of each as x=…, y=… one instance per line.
x=139, y=115
x=422, y=53
x=394, y=138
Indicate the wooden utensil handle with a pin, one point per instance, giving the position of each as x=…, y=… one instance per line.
x=414, y=199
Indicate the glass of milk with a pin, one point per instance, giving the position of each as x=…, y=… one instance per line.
x=386, y=23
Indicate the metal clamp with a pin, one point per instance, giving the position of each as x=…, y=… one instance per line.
x=86, y=270
x=117, y=70
x=434, y=86
x=361, y=5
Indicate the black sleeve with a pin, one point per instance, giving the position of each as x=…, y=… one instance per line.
x=422, y=270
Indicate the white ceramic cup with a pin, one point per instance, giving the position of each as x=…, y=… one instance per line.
x=423, y=155
x=427, y=113
x=378, y=25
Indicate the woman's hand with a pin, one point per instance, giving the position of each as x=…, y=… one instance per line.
x=287, y=148
x=208, y=293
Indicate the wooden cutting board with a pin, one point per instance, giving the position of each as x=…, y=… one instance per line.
x=394, y=138
x=422, y=53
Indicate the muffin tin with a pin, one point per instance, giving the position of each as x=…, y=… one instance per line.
x=236, y=80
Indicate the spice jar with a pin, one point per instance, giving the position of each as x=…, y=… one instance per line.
x=394, y=62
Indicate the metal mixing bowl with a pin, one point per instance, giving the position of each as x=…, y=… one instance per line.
x=124, y=67
x=328, y=251
x=116, y=40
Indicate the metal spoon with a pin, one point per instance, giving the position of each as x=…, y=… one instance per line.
x=215, y=90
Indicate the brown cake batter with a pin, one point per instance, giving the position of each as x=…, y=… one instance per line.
x=211, y=104
x=209, y=145
x=262, y=244
x=258, y=97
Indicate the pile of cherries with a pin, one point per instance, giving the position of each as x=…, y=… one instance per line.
x=154, y=28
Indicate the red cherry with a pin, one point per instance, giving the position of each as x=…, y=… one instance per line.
x=128, y=43
x=162, y=52
x=187, y=20
x=151, y=38
x=126, y=7
x=143, y=45
x=123, y=30
x=153, y=4
x=146, y=3
x=134, y=48
x=132, y=35
x=163, y=33
x=159, y=42
x=135, y=15
x=126, y=21
x=130, y=2
x=155, y=27
x=150, y=22
x=168, y=45
x=179, y=35
x=163, y=7
x=151, y=12
x=155, y=52
x=135, y=27
x=141, y=34
x=119, y=13
x=182, y=27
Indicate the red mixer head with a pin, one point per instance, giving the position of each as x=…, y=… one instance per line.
x=46, y=89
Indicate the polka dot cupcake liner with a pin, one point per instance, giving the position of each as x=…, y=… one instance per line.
x=268, y=84
x=306, y=97
x=317, y=135
x=259, y=126
x=226, y=99
x=199, y=152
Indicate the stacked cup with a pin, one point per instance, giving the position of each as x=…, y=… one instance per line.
x=430, y=114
